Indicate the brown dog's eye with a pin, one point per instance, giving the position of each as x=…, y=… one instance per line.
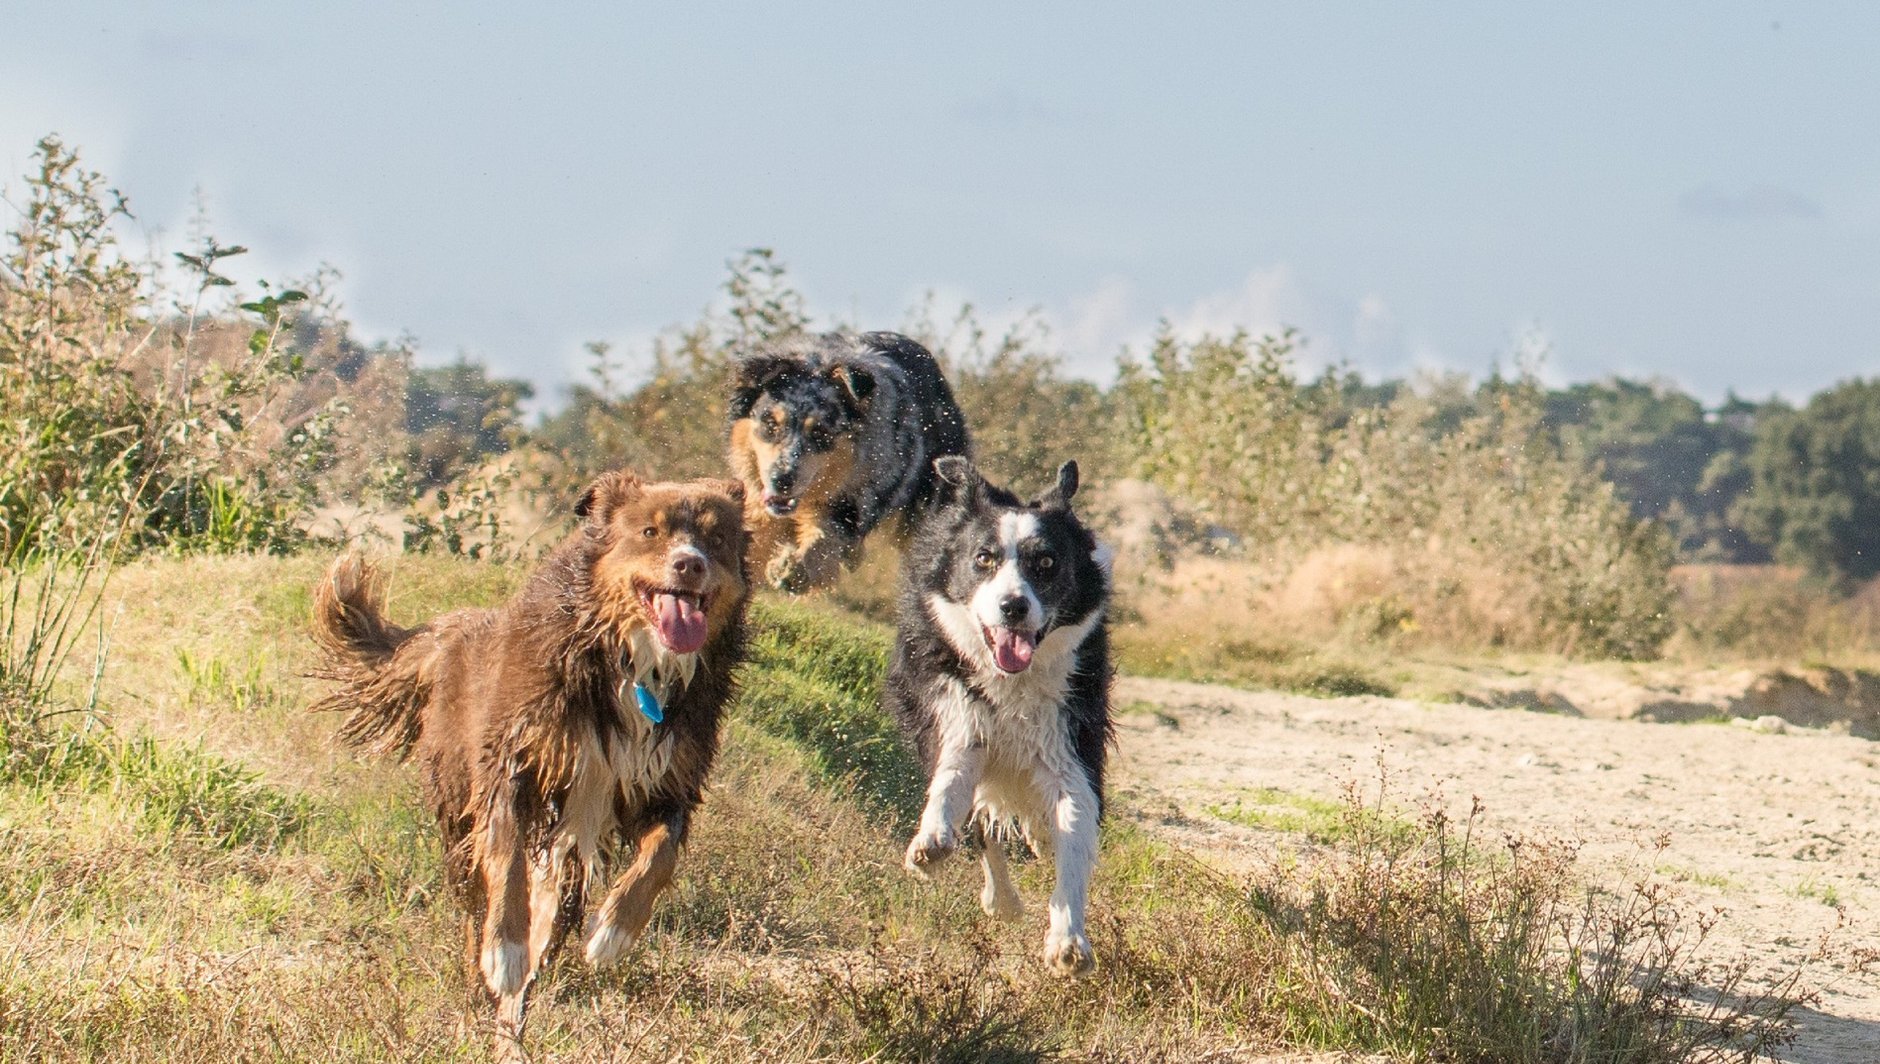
x=985, y=559
x=649, y=531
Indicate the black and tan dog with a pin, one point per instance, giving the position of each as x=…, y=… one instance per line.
x=581, y=716
x=831, y=435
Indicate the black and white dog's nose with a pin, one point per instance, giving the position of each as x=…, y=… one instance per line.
x=1014, y=609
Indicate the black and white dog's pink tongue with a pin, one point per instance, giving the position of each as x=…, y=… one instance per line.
x=1012, y=650
x=681, y=623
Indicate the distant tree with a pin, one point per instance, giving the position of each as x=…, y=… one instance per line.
x=1667, y=457
x=672, y=421
x=457, y=415
x=1814, y=490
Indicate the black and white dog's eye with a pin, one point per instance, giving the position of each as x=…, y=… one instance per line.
x=985, y=559
x=1045, y=562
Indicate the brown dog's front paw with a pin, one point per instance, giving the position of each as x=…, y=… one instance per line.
x=607, y=944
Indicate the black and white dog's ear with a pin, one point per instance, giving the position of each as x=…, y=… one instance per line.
x=858, y=387
x=959, y=481
x=608, y=491
x=1059, y=497
x=752, y=374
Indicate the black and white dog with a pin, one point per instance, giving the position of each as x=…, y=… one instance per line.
x=1001, y=675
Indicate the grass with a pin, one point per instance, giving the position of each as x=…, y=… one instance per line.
x=1815, y=890
x=1158, y=651
x=1713, y=880
x=1320, y=820
x=211, y=879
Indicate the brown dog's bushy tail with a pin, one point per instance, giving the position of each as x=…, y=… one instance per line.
x=380, y=689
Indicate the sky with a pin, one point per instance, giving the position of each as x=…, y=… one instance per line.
x=1688, y=191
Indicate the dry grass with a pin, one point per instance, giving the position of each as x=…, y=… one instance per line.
x=1772, y=613
x=294, y=909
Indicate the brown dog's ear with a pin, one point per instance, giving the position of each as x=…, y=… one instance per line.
x=733, y=488
x=858, y=387
x=609, y=490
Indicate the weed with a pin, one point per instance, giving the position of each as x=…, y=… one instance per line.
x=212, y=679
x=1431, y=944
x=936, y=1013
x=1815, y=890
x=190, y=792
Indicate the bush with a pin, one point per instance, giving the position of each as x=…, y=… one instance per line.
x=1025, y=416
x=1492, y=536
x=184, y=431
x=1431, y=943
x=672, y=426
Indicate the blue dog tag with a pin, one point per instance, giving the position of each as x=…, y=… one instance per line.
x=649, y=705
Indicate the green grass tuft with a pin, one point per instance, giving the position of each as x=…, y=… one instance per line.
x=814, y=679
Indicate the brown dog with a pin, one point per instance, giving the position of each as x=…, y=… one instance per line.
x=581, y=715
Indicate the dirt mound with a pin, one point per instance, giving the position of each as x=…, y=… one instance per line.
x=1846, y=701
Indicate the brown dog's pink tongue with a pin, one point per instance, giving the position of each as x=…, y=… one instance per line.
x=1012, y=650
x=681, y=624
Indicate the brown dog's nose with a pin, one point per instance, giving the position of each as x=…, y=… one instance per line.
x=688, y=563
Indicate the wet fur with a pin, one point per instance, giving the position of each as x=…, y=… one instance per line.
x=535, y=768
x=1024, y=750
x=852, y=425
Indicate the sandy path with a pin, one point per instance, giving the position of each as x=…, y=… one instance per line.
x=1770, y=827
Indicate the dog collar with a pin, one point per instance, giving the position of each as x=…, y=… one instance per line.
x=648, y=703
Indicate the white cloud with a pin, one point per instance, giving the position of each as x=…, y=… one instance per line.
x=1089, y=329
x=1093, y=328
x=1267, y=301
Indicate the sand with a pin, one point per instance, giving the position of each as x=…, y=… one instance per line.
x=1772, y=824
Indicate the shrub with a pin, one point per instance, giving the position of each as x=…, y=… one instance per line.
x=184, y=431
x=1025, y=416
x=1491, y=535
x=673, y=424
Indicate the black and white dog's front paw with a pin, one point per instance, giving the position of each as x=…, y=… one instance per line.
x=929, y=848
x=1069, y=954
